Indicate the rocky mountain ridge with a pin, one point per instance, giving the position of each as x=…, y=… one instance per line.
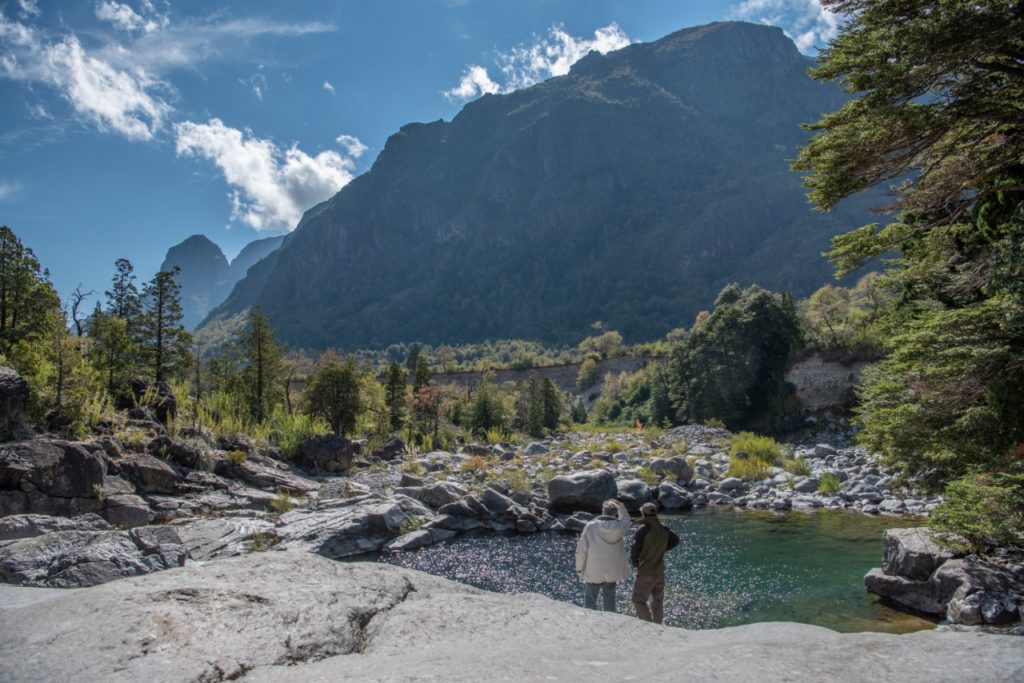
x=628, y=191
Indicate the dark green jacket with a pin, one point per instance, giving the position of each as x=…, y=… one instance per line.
x=650, y=544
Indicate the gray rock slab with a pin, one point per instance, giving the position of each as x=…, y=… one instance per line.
x=298, y=617
x=912, y=553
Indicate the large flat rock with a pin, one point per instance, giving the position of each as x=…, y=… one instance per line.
x=287, y=616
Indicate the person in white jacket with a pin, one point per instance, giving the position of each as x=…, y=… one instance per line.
x=601, y=555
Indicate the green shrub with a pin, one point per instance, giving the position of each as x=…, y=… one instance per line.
x=797, y=467
x=496, y=435
x=290, y=430
x=714, y=422
x=258, y=542
x=410, y=524
x=282, y=502
x=237, y=457
x=413, y=467
x=749, y=469
x=614, y=447
x=981, y=511
x=476, y=463
x=648, y=476
x=764, y=448
x=829, y=484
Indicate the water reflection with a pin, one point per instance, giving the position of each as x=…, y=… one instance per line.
x=731, y=567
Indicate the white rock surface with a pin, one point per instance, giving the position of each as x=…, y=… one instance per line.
x=282, y=616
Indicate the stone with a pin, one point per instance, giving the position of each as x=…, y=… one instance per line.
x=150, y=474
x=892, y=506
x=912, y=553
x=418, y=539
x=15, y=527
x=408, y=479
x=455, y=522
x=497, y=503
x=156, y=396
x=250, y=617
x=676, y=468
x=823, y=449
x=633, y=493
x=672, y=497
x=272, y=478
x=441, y=493
x=806, y=485
x=576, y=521
x=581, y=490
x=74, y=559
x=127, y=511
x=535, y=449
x=715, y=498
x=330, y=453
x=930, y=597
x=391, y=449
x=731, y=484
x=219, y=537
x=14, y=395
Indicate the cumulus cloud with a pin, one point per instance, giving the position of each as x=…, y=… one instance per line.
x=29, y=8
x=272, y=187
x=123, y=17
x=328, y=86
x=352, y=145
x=114, y=99
x=805, y=21
x=9, y=191
x=524, y=65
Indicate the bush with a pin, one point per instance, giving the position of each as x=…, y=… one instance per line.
x=763, y=448
x=476, y=463
x=413, y=467
x=410, y=524
x=982, y=511
x=749, y=469
x=237, y=457
x=797, y=467
x=282, y=502
x=714, y=422
x=290, y=430
x=829, y=484
x=648, y=476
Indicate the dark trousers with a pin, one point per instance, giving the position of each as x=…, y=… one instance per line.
x=649, y=587
x=607, y=591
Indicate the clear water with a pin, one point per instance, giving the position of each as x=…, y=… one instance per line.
x=731, y=567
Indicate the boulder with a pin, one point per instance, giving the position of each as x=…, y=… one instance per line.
x=535, y=449
x=577, y=521
x=329, y=453
x=15, y=527
x=930, y=597
x=912, y=553
x=581, y=490
x=151, y=475
x=51, y=477
x=391, y=449
x=732, y=485
x=675, y=468
x=73, y=559
x=672, y=497
x=418, y=539
x=806, y=485
x=218, y=537
x=127, y=511
x=441, y=493
x=271, y=478
x=633, y=493
x=14, y=397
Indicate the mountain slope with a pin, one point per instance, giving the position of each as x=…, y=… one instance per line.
x=629, y=191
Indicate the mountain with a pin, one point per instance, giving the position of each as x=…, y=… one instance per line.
x=206, y=277
x=629, y=191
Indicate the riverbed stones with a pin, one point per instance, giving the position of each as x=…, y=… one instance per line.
x=581, y=490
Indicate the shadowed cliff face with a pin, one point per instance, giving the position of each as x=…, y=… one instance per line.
x=629, y=191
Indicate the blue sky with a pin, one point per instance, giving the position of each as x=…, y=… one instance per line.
x=128, y=126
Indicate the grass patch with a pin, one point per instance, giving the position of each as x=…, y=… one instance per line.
x=282, y=502
x=237, y=457
x=410, y=524
x=829, y=484
x=798, y=467
x=763, y=448
x=476, y=463
x=413, y=467
x=258, y=543
x=749, y=469
x=614, y=447
x=648, y=476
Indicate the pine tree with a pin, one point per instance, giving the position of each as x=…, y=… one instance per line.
x=534, y=422
x=551, y=405
x=394, y=396
x=263, y=367
x=422, y=376
x=333, y=393
x=26, y=296
x=163, y=340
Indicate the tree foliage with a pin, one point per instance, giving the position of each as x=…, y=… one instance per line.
x=163, y=341
x=938, y=87
x=27, y=300
x=733, y=366
x=333, y=394
x=263, y=370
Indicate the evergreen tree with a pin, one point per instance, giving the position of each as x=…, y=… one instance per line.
x=422, y=376
x=412, y=359
x=534, y=403
x=164, y=343
x=333, y=393
x=486, y=410
x=261, y=377
x=111, y=348
x=551, y=405
x=937, y=90
x=394, y=396
x=123, y=299
x=26, y=296
x=661, y=402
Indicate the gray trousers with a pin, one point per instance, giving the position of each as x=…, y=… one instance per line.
x=649, y=587
x=607, y=590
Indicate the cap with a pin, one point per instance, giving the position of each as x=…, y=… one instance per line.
x=648, y=509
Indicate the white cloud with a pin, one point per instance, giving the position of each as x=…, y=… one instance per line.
x=123, y=17
x=9, y=191
x=113, y=99
x=257, y=83
x=525, y=65
x=353, y=145
x=805, y=21
x=271, y=187
x=328, y=86
x=30, y=8
x=475, y=82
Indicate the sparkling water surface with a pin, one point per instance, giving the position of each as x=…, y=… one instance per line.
x=731, y=567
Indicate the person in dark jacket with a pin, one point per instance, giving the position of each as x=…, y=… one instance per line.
x=652, y=540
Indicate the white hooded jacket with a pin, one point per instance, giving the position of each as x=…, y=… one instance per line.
x=601, y=552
